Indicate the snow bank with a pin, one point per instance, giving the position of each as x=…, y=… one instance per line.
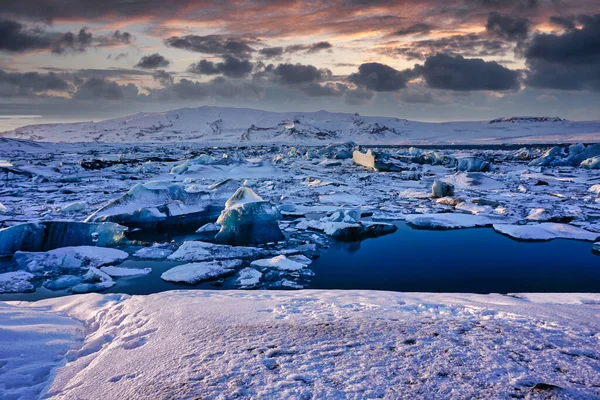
x=302, y=344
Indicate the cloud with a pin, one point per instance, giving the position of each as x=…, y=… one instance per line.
x=277, y=52
x=379, y=77
x=508, y=27
x=103, y=89
x=213, y=44
x=153, y=61
x=419, y=28
x=18, y=38
x=290, y=74
x=568, y=61
x=15, y=37
x=465, y=74
x=218, y=88
x=163, y=77
x=357, y=97
x=329, y=89
x=27, y=84
x=231, y=66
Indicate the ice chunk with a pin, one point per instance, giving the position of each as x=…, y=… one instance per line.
x=120, y=271
x=198, y=272
x=473, y=164
x=279, y=262
x=210, y=227
x=194, y=251
x=573, y=155
x=248, y=219
x=75, y=207
x=94, y=280
x=159, y=204
x=545, y=231
x=442, y=189
x=450, y=220
x=346, y=225
x=63, y=282
x=191, y=164
x=249, y=277
x=591, y=163
x=49, y=235
x=16, y=282
x=156, y=251
x=376, y=161
x=3, y=208
x=69, y=258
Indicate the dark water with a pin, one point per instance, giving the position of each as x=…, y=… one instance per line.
x=465, y=260
x=475, y=260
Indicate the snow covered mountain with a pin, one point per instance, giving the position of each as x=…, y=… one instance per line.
x=216, y=125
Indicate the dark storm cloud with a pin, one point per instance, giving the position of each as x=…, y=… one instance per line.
x=232, y=67
x=379, y=77
x=567, y=22
x=14, y=84
x=508, y=27
x=103, y=89
x=419, y=28
x=466, y=74
x=329, y=89
x=291, y=74
x=153, y=61
x=163, y=77
x=213, y=44
x=276, y=52
x=570, y=61
x=469, y=45
x=15, y=37
x=357, y=97
x=218, y=88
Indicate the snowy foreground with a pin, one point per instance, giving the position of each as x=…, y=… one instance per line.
x=301, y=344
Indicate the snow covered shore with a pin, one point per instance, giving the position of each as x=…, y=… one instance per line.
x=301, y=344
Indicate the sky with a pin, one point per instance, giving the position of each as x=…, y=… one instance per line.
x=79, y=60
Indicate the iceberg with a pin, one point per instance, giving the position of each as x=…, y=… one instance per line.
x=198, y=272
x=248, y=219
x=473, y=164
x=279, y=262
x=43, y=236
x=194, y=251
x=545, y=231
x=441, y=189
x=70, y=258
x=159, y=205
x=450, y=220
x=375, y=161
x=249, y=278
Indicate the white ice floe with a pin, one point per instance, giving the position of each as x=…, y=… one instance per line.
x=210, y=227
x=116, y=272
x=226, y=344
x=156, y=251
x=194, y=251
x=16, y=282
x=197, y=272
x=279, y=262
x=249, y=277
x=451, y=220
x=69, y=258
x=75, y=207
x=545, y=231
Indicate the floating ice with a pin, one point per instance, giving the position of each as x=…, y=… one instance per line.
x=198, y=272
x=63, y=282
x=591, y=163
x=49, y=235
x=279, y=262
x=156, y=251
x=346, y=225
x=194, y=251
x=94, y=280
x=191, y=165
x=159, y=204
x=545, y=231
x=210, y=227
x=450, y=220
x=68, y=258
x=573, y=155
x=248, y=219
x=121, y=271
x=249, y=277
x=75, y=207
